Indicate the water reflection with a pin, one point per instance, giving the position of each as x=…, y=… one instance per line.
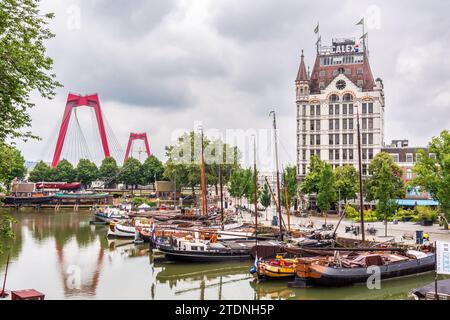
x=63, y=256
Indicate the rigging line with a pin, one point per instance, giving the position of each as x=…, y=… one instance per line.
x=97, y=147
x=83, y=141
x=113, y=138
x=285, y=150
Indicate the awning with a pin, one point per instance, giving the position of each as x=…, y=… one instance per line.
x=414, y=202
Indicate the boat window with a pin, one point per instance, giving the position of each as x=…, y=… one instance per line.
x=194, y=248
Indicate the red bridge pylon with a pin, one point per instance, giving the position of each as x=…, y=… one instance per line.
x=74, y=101
x=137, y=136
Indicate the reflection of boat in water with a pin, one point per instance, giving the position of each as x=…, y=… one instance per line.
x=189, y=271
x=357, y=267
x=272, y=290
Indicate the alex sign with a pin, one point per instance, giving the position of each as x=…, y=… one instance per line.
x=345, y=48
x=443, y=257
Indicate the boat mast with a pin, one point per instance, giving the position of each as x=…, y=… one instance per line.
x=255, y=186
x=361, y=200
x=221, y=193
x=203, y=182
x=278, y=173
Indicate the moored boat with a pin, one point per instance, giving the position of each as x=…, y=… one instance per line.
x=190, y=249
x=357, y=267
x=277, y=268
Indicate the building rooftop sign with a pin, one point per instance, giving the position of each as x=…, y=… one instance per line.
x=341, y=46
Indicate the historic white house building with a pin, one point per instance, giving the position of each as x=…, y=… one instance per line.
x=340, y=86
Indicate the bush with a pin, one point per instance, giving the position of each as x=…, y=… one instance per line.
x=353, y=214
x=426, y=213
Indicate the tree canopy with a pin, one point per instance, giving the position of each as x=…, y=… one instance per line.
x=326, y=194
x=291, y=183
x=41, y=172
x=310, y=184
x=109, y=171
x=433, y=172
x=24, y=65
x=384, y=184
x=346, y=179
x=12, y=164
x=64, y=172
x=87, y=172
x=152, y=168
x=131, y=172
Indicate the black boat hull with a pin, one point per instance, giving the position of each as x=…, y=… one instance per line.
x=336, y=277
x=210, y=257
x=28, y=200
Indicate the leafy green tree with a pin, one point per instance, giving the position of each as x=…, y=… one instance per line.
x=384, y=184
x=265, y=198
x=184, y=158
x=152, y=168
x=109, y=172
x=24, y=66
x=291, y=183
x=131, y=172
x=326, y=195
x=87, y=172
x=346, y=178
x=12, y=164
x=310, y=184
x=41, y=172
x=433, y=173
x=238, y=184
x=64, y=172
x=250, y=186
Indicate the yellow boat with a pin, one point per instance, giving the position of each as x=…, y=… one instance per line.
x=277, y=268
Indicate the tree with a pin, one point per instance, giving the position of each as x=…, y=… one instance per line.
x=238, y=183
x=384, y=184
x=346, y=178
x=152, y=169
x=326, y=189
x=290, y=181
x=86, y=172
x=131, y=172
x=184, y=158
x=433, y=172
x=24, y=66
x=64, y=172
x=265, y=198
x=109, y=171
x=310, y=184
x=41, y=172
x=12, y=164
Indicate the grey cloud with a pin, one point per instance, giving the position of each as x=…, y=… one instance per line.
x=247, y=62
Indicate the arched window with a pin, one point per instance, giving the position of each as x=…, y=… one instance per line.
x=341, y=70
x=348, y=97
x=334, y=98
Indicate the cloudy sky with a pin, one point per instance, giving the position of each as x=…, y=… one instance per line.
x=161, y=65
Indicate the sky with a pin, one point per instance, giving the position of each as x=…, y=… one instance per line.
x=164, y=66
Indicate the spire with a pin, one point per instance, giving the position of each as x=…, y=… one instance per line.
x=302, y=75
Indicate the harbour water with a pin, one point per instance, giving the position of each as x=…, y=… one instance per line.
x=61, y=255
